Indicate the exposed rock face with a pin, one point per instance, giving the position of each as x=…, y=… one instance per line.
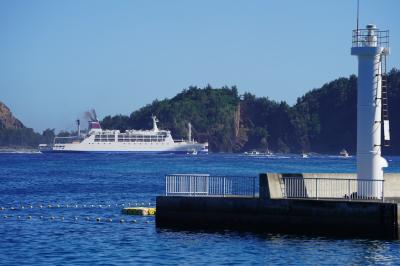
x=7, y=120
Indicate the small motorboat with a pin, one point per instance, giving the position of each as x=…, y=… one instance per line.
x=344, y=153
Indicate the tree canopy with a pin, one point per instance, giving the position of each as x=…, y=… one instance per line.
x=323, y=120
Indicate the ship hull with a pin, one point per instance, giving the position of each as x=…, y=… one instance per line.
x=122, y=152
x=180, y=148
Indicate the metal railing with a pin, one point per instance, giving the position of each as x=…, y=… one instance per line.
x=333, y=188
x=67, y=140
x=370, y=37
x=212, y=186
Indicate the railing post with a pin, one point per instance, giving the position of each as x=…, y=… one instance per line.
x=348, y=184
x=383, y=185
x=207, y=186
x=316, y=188
x=190, y=186
x=223, y=184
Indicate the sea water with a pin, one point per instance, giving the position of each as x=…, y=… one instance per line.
x=60, y=209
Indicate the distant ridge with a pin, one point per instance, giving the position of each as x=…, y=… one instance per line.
x=7, y=120
x=323, y=120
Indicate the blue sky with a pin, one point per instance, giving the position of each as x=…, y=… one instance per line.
x=60, y=58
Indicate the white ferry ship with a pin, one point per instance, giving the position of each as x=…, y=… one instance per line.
x=132, y=141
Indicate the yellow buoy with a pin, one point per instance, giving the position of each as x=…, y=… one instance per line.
x=139, y=211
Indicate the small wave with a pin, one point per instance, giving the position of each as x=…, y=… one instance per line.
x=20, y=151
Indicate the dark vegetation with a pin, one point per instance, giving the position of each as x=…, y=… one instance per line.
x=24, y=137
x=323, y=120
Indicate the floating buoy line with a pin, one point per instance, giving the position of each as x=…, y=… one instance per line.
x=75, y=219
x=15, y=212
x=76, y=206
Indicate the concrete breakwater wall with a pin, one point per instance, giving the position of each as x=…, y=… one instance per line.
x=272, y=211
x=336, y=218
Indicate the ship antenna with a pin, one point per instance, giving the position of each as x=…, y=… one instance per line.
x=358, y=18
x=155, y=120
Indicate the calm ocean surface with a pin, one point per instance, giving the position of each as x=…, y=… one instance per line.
x=98, y=186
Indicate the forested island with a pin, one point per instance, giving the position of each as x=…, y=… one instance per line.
x=322, y=121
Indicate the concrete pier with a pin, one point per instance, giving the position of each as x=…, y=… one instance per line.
x=270, y=212
x=335, y=218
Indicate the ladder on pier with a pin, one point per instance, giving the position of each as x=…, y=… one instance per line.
x=385, y=103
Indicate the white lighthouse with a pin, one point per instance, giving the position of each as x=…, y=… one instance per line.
x=370, y=45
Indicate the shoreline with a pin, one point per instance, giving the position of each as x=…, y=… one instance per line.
x=18, y=150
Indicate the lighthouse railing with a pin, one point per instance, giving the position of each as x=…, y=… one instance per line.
x=333, y=188
x=370, y=37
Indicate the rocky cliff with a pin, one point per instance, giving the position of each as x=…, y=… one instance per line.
x=7, y=120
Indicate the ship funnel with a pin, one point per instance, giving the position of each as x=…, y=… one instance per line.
x=94, y=126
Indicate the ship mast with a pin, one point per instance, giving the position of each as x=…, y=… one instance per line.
x=155, y=120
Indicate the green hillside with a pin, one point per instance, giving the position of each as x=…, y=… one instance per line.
x=323, y=120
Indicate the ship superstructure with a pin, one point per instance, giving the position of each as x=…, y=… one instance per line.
x=134, y=141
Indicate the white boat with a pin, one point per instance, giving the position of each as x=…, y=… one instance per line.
x=344, y=153
x=192, y=152
x=252, y=153
x=132, y=141
x=304, y=155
